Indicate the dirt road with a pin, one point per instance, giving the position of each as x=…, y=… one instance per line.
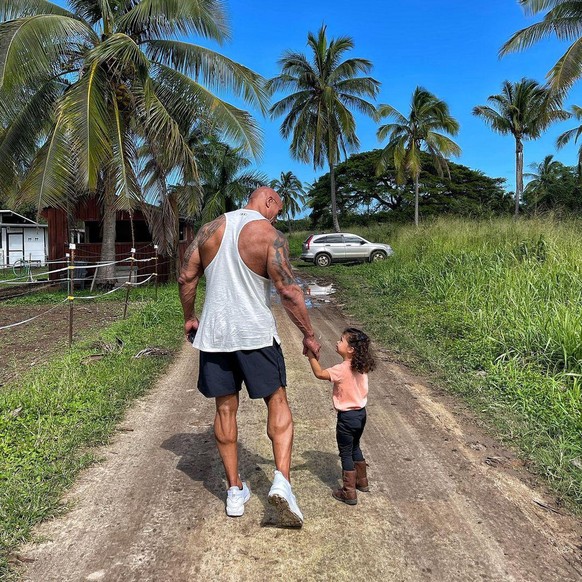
x=446, y=502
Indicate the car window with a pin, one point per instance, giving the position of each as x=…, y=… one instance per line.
x=334, y=238
x=351, y=238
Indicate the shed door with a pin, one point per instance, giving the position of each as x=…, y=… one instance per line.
x=15, y=247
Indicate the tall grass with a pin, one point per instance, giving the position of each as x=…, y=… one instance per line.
x=499, y=305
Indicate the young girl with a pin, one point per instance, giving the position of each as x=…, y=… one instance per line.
x=350, y=394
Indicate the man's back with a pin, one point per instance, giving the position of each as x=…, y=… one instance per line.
x=237, y=309
x=253, y=244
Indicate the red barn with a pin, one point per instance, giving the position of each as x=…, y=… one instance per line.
x=84, y=229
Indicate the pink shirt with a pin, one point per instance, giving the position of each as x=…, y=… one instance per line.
x=350, y=388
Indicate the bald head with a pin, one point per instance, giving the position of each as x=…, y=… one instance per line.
x=267, y=202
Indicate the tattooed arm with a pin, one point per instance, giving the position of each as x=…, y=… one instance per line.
x=279, y=270
x=192, y=271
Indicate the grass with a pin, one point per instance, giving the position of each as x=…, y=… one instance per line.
x=57, y=294
x=494, y=309
x=50, y=418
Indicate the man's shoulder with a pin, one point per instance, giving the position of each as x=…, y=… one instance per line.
x=261, y=228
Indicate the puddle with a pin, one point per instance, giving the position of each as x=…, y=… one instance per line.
x=315, y=294
x=312, y=292
x=317, y=291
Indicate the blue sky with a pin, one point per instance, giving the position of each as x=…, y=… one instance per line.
x=450, y=47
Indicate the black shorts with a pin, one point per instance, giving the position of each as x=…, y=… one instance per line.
x=262, y=371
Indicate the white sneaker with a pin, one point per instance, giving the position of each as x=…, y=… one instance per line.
x=283, y=499
x=236, y=499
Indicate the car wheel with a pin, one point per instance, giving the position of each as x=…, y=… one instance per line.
x=377, y=256
x=323, y=260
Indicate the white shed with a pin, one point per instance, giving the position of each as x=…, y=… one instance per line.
x=21, y=238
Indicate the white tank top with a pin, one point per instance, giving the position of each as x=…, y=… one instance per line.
x=237, y=309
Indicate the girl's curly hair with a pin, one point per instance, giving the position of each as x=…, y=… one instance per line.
x=362, y=360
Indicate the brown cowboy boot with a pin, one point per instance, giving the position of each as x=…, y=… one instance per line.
x=361, y=476
x=347, y=493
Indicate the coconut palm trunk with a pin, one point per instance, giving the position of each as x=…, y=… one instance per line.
x=107, y=274
x=518, y=174
x=336, y=225
x=416, y=196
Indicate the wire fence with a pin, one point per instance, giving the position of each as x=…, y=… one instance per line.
x=76, y=272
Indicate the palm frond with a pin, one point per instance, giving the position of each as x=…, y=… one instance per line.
x=216, y=70
x=532, y=7
x=386, y=110
x=51, y=179
x=12, y=9
x=493, y=118
x=161, y=129
x=349, y=69
x=232, y=122
x=85, y=108
x=160, y=18
x=120, y=167
x=31, y=47
x=26, y=124
x=568, y=68
x=120, y=53
x=443, y=144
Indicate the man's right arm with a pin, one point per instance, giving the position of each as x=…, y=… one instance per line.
x=280, y=272
x=192, y=271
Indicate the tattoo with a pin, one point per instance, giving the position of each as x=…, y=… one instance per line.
x=205, y=232
x=282, y=259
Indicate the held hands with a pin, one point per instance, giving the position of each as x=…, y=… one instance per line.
x=311, y=347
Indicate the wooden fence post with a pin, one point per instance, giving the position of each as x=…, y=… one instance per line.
x=71, y=269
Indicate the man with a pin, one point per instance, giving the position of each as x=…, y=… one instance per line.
x=241, y=254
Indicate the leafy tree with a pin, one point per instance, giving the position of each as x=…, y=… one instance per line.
x=407, y=137
x=82, y=90
x=318, y=111
x=564, y=19
x=364, y=195
x=292, y=193
x=523, y=109
x=553, y=187
x=226, y=182
x=541, y=182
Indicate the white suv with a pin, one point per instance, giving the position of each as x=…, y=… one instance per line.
x=324, y=249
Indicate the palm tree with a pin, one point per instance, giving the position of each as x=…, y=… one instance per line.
x=408, y=136
x=573, y=134
x=523, y=109
x=82, y=90
x=564, y=19
x=542, y=180
x=292, y=194
x=225, y=180
x=318, y=112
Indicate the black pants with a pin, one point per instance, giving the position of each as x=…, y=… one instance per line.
x=349, y=429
